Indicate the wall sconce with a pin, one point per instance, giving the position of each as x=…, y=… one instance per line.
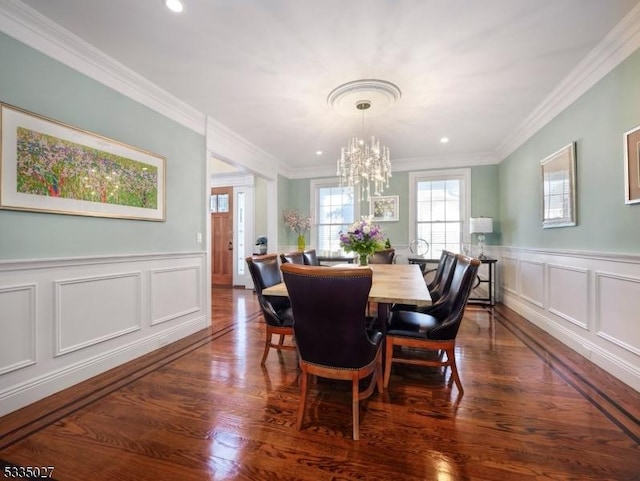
x=481, y=226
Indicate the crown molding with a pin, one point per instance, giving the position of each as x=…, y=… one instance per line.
x=232, y=180
x=621, y=42
x=229, y=146
x=407, y=164
x=35, y=30
x=444, y=161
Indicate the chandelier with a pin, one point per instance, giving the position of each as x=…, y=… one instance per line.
x=365, y=163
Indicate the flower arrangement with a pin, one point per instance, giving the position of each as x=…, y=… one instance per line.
x=297, y=222
x=363, y=238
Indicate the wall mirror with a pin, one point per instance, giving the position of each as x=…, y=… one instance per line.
x=559, y=188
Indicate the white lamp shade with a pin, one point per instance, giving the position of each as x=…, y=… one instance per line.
x=480, y=225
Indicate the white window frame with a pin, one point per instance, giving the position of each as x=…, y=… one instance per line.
x=464, y=175
x=315, y=185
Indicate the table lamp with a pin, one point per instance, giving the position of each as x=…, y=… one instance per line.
x=481, y=226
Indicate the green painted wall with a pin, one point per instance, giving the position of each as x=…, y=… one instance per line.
x=39, y=84
x=484, y=201
x=284, y=186
x=260, y=213
x=596, y=122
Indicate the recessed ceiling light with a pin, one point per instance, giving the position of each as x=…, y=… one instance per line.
x=318, y=152
x=174, y=5
x=444, y=140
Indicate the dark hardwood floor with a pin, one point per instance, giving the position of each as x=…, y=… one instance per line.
x=203, y=408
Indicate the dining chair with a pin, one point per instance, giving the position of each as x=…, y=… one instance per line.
x=384, y=256
x=293, y=258
x=311, y=258
x=330, y=331
x=276, y=310
x=441, y=282
x=438, y=287
x=435, y=331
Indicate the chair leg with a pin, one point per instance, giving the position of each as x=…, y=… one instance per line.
x=267, y=345
x=388, y=360
x=379, y=375
x=303, y=395
x=454, y=369
x=281, y=342
x=355, y=406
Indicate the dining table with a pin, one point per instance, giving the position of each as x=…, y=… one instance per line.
x=391, y=284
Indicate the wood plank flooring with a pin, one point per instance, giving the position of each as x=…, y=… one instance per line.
x=203, y=408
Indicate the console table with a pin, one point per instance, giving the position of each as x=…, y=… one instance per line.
x=336, y=259
x=486, y=275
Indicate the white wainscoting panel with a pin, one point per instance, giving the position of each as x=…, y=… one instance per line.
x=65, y=320
x=531, y=281
x=568, y=293
x=587, y=300
x=617, y=311
x=90, y=310
x=174, y=293
x=17, y=327
x=509, y=270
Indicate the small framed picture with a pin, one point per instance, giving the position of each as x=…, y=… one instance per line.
x=384, y=208
x=632, y=166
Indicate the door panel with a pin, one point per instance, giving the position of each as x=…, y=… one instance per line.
x=222, y=236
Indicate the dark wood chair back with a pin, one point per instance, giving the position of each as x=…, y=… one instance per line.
x=292, y=258
x=330, y=331
x=443, y=277
x=385, y=256
x=310, y=258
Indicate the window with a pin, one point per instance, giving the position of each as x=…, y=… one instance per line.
x=440, y=207
x=335, y=210
x=240, y=229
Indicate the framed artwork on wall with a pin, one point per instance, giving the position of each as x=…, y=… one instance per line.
x=559, y=188
x=384, y=208
x=632, y=166
x=48, y=166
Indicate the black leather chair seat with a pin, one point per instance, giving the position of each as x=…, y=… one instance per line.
x=286, y=316
x=411, y=324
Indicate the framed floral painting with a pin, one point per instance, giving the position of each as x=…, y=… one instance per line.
x=48, y=166
x=384, y=208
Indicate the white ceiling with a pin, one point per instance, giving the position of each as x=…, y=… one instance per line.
x=469, y=70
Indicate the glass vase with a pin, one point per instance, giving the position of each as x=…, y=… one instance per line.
x=363, y=259
x=301, y=242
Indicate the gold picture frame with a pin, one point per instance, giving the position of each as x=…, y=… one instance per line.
x=632, y=166
x=559, y=188
x=49, y=166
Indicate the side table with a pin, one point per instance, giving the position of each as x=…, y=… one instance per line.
x=486, y=275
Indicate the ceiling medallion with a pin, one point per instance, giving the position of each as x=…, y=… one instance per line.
x=364, y=165
x=382, y=95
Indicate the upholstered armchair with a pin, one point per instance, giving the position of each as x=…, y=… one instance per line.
x=276, y=310
x=311, y=258
x=385, y=256
x=292, y=258
x=441, y=282
x=435, y=331
x=330, y=330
